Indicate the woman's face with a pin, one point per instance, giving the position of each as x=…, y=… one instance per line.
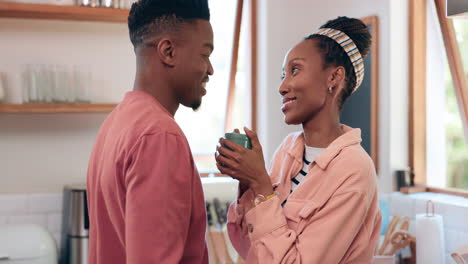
x=304, y=83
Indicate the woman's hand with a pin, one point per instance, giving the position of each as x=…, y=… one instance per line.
x=245, y=165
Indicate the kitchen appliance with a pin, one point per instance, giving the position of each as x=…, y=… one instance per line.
x=31, y=244
x=75, y=226
x=404, y=178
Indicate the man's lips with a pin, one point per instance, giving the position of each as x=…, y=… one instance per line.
x=203, y=89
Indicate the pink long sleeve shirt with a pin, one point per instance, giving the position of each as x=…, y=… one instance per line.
x=331, y=217
x=145, y=197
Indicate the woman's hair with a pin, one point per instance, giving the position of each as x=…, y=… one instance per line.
x=335, y=55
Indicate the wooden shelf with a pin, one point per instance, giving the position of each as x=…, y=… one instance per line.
x=74, y=13
x=56, y=108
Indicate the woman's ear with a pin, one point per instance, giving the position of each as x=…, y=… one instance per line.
x=166, y=52
x=336, y=76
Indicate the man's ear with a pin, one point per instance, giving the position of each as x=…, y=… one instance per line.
x=166, y=52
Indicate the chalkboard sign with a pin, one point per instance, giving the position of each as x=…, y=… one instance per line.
x=360, y=110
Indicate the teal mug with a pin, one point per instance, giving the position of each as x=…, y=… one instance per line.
x=240, y=139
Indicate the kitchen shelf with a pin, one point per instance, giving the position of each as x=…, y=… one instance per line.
x=56, y=108
x=74, y=13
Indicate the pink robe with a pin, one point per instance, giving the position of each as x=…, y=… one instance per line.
x=145, y=197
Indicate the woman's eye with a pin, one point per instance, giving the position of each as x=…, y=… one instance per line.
x=294, y=71
x=283, y=76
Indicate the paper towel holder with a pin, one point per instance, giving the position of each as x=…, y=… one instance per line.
x=429, y=202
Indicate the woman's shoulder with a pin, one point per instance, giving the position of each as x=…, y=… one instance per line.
x=358, y=159
x=355, y=154
x=356, y=167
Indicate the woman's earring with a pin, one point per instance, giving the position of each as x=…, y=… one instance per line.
x=330, y=89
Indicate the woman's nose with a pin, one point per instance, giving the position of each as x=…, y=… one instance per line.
x=283, y=89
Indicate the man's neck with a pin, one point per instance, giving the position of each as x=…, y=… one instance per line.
x=159, y=90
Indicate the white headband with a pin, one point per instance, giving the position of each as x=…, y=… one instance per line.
x=350, y=48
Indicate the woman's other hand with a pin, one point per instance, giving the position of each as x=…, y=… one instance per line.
x=245, y=165
x=242, y=187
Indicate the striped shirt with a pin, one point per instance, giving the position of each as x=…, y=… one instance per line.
x=310, y=153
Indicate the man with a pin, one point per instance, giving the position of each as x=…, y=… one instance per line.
x=146, y=202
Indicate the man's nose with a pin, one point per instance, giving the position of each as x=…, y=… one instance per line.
x=210, y=69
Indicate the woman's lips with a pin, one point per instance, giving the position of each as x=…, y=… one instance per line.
x=287, y=104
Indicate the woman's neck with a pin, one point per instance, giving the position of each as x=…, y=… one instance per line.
x=322, y=130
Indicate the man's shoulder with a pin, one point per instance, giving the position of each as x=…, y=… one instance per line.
x=128, y=124
x=158, y=126
x=162, y=124
x=146, y=116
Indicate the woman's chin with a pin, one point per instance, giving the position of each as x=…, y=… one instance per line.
x=290, y=120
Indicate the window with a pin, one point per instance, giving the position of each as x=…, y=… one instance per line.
x=455, y=140
x=226, y=106
x=440, y=159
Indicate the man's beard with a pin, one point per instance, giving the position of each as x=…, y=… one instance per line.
x=195, y=106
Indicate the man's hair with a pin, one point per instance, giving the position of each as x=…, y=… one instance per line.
x=149, y=18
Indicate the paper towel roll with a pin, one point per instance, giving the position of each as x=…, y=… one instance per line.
x=430, y=243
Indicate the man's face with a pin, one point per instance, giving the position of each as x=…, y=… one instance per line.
x=193, y=67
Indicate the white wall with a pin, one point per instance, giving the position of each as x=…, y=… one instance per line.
x=394, y=95
x=41, y=152
x=284, y=23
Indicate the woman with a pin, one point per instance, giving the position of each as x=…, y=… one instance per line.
x=318, y=202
